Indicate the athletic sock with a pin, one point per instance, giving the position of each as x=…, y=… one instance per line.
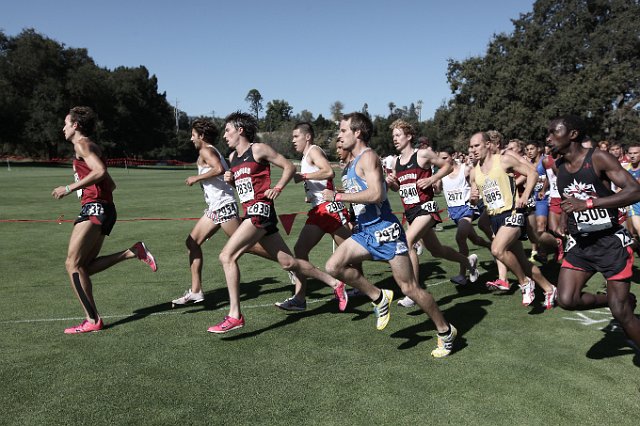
x=379, y=299
x=446, y=333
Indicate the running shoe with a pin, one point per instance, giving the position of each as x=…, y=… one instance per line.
x=445, y=344
x=228, y=324
x=342, y=296
x=381, y=310
x=292, y=304
x=143, y=253
x=85, y=327
x=473, y=268
x=419, y=248
x=499, y=285
x=189, y=297
x=406, y=302
x=550, y=298
x=292, y=277
x=459, y=279
x=527, y=289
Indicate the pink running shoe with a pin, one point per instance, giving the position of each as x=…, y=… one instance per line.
x=228, y=324
x=500, y=285
x=85, y=327
x=342, y=296
x=143, y=253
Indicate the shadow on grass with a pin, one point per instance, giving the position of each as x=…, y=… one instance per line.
x=613, y=343
x=215, y=299
x=464, y=316
x=288, y=319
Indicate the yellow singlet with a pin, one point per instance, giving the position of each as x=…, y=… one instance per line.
x=496, y=188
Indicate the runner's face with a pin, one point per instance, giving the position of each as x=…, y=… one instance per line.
x=196, y=138
x=615, y=150
x=347, y=136
x=299, y=140
x=446, y=157
x=231, y=135
x=400, y=140
x=69, y=129
x=478, y=148
x=634, y=154
x=531, y=151
x=558, y=137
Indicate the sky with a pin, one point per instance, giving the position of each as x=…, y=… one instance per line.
x=207, y=55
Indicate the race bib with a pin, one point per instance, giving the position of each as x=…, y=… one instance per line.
x=244, y=188
x=592, y=220
x=493, y=198
x=92, y=209
x=409, y=193
x=223, y=214
x=455, y=198
x=388, y=234
x=259, y=209
x=516, y=219
x=430, y=206
x=78, y=191
x=334, y=207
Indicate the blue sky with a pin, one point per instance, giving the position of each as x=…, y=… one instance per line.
x=208, y=54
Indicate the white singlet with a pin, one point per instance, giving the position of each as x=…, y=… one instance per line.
x=456, y=189
x=314, y=188
x=217, y=193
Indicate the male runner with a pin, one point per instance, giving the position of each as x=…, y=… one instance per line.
x=596, y=242
x=325, y=217
x=94, y=188
x=490, y=179
x=378, y=234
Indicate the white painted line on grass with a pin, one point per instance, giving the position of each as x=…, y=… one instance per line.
x=171, y=312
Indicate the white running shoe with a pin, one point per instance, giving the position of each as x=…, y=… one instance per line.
x=188, y=298
x=473, y=268
x=527, y=289
x=406, y=302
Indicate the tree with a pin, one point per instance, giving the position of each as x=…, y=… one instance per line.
x=336, y=110
x=572, y=56
x=278, y=112
x=254, y=98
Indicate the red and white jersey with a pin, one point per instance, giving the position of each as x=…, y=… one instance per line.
x=314, y=188
x=252, y=178
x=98, y=192
x=408, y=175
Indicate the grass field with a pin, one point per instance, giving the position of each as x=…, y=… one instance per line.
x=158, y=365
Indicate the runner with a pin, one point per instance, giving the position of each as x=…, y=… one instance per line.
x=94, y=188
x=378, y=234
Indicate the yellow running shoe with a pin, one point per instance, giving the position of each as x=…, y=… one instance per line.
x=382, y=309
x=445, y=344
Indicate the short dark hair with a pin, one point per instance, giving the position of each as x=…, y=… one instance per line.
x=205, y=128
x=247, y=121
x=448, y=149
x=85, y=118
x=306, y=128
x=359, y=121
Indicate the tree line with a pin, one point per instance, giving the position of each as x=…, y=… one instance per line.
x=566, y=56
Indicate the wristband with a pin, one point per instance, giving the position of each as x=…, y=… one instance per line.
x=67, y=190
x=277, y=189
x=337, y=197
x=589, y=203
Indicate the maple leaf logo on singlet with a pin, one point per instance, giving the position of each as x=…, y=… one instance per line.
x=580, y=191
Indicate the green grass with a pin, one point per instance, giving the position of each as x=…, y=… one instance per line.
x=157, y=365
